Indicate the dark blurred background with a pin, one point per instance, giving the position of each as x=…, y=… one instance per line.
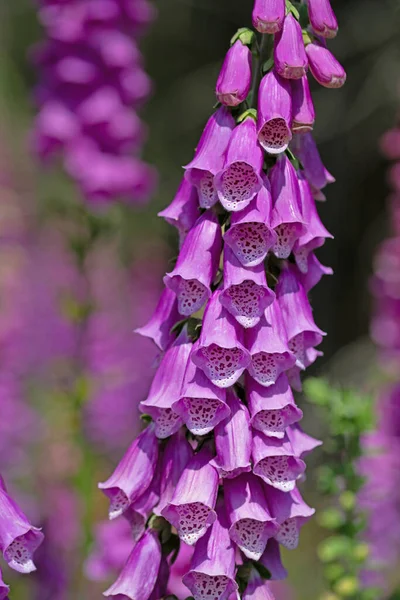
x=183, y=52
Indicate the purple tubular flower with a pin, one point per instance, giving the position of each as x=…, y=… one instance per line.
x=275, y=461
x=165, y=388
x=287, y=219
x=177, y=453
x=139, y=511
x=18, y=538
x=324, y=66
x=210, y=155
x=212, y=571
x=314, y=274
x=291, y=512
x=290, y=55
x=316, y=233
x=233, y=440
x=302, y=443
x=268, y=346
x=251, y=523
x=293, y=374
x=246, y=294
x=250, y=235
x=240, y=179
x=183, y=211
x=322, y=18
x=197, y=265
x=133, y=474
x=191, y=509
x=164, y=318
x=306, y=150
x=268, y=15
x=4, y=588
x=201, y=405
x=220, y=352
x=257, y=588
x=234, y=80
x=271, y=560
x=272, y=408
x=139, y=575
x=302, y=106
x=274, y=115
x=301, y=330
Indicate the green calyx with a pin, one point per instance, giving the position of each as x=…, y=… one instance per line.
x=290, y=8
x=249, y=113
x=245, y=35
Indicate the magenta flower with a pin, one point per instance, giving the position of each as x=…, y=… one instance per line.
x=4, y=588
x=322, y=18
x=271, y=560
x=234, y=80
x=139, y=575
x=210, y=155
x=274, y=115
x=290, y=56
x=18, y=538
x=163, y=319
x=183, y=211
x=163, y=391
x=233, y=440
x=291, y=513
x=268, y=15
x=324, y=66
x=257, y=588
x=197, y=265
x=134, y=473
x=191, y=508
x=177, y=454
x=212, y=570
x=220, y=352
x=317, y=175
x=250, y=235
x=239, y=180
x=303, y=114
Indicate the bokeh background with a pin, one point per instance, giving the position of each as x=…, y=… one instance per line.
x=71, y=370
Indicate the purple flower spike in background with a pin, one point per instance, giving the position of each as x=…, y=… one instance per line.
x=134, y=473
x=274, y=115
x=250, y=235
x=322, y=18
x=197, y=265
x=139, y=575
x=163, y=391
x=209, y=156
x=251, y=523
x=234, y=80
x=246, y=294
x=268, y=15
x=18, y=538
x=220, y=352
x=212, y=570
x=290, y=56
x=233, y=440
x=239, y=181
x=324, y=66
x=191, y=509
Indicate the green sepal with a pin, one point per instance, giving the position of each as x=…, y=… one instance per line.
x=146, y=418
x=268, y=65
x=250, y=112
x=245, y=35
x=290, y=8
x=262, y=571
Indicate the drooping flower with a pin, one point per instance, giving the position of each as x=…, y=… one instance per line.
x=268, y=15
x=322, y=18
x=234, y=80
x=274, y=114
x=324, y=66
x=289, y=55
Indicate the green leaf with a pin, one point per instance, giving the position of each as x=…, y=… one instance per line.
x=268, y=65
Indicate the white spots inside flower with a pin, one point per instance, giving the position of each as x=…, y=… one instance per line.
x=167, y=422
x=206, y=190
x=119, y=502
x=276, y=471
x=287, y=234
x=297, y=347
x=19, y=556
x=208, y=587
x=239, y=184
x=270, y=422
x=251, y=537
x=275, y=136
x=244, y=302
x=222, y=364
x=191, y=296
x=201, y=414
x=301, y=256
x=250, y=242
x=288, y=534
x=192, y=521
x=265, y=368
